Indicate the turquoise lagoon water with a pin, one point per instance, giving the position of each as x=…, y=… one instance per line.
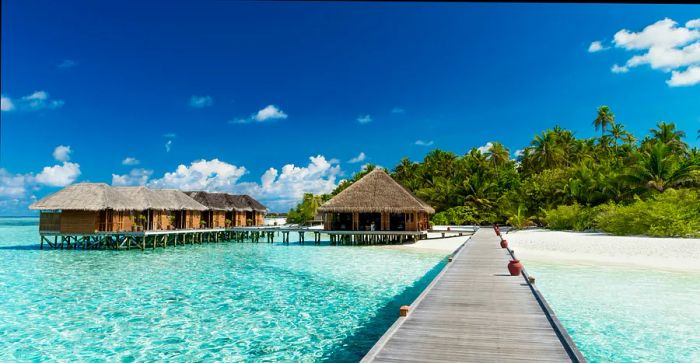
x=617, y=314
x=210, y=302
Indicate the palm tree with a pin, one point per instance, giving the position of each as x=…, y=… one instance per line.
x=618, y=133
x=666, y=133
x=498, y=154
x=604, y=118
x=659, y=169
x=546, y=150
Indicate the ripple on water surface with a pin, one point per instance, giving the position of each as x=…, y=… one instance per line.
x=226, y=301
x=617, y=314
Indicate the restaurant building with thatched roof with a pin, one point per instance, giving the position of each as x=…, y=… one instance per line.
x=376, y=202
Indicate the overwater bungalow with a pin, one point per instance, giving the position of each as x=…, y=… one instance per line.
x=88, y=207
x=376, y=202
x=228, y=210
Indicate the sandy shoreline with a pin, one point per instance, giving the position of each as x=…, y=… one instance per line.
x=433, y=244
x=671, y=254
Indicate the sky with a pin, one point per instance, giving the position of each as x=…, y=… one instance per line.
x=275, y=99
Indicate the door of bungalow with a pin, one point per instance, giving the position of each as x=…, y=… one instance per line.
x=341, y=221
x=229, y=218
x=366, y=220
x=397, y=221
x=104, y=220
x=179, y=219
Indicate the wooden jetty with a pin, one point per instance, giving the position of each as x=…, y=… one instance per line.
x=474, y=311
x=166, y=238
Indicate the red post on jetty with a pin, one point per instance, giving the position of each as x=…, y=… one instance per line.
x=403, y=311
x=504, y=243
x=496, y=229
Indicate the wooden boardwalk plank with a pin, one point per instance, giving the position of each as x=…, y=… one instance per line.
x=476, y=312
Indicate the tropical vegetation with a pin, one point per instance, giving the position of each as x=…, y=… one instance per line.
x=614, y=182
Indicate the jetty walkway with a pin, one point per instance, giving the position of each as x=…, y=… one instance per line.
x=475, y=311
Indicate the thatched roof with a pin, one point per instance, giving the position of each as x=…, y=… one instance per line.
x=100, y=196
x=238, y=203
x=143, y=198
x=253, y=204
x=85, y=196
x=376, y=192
x=229, y=202
x=214, y=201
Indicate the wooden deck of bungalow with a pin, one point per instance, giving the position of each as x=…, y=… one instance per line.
x=474, y=311
x=166, y=238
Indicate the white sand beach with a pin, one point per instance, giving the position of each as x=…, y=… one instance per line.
x=433, y=243
x=672, y=254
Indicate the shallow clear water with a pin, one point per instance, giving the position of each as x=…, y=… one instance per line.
x=228, y=301
x=617, y=314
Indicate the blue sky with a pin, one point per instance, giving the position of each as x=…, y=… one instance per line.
x=274, y=99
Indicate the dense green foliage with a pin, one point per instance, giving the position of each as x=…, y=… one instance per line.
x=672, y=213
x=306, y=210
x=611, y=182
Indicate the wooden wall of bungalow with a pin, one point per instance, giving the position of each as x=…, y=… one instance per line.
x=80, y=222
x=247, y=218
x=213, y=219
x=384, y=221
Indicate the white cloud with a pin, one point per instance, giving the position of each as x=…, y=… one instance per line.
x=201, y=101
x=665, y=46
x=363, y=119
x=279, y=190
x=16, y=190
x=424, y=143
x=135, y=177
x=130, y=161
x=6, y=104
x=67, y=63
x=13, y=185
x=62, y=153
x=486, y=148
x=519, y=153
x=667, y=59
x=596, y=46
x=398, y=110
x=271, y=112
x=240, y=121
x=689, y=77
x=170, y=135
x=662, y=34
x=39, y=100
x=59, y=175
x=168, y=145
x=358, y=159
x=211, y=175
x=619, y=69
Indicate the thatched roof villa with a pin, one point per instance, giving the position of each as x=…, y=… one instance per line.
x=88, y=207
x=377, y=200
x=238, y=210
